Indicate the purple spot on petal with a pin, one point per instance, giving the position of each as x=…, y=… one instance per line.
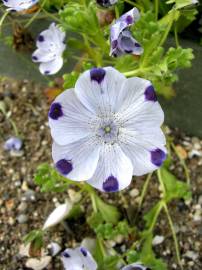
x=97, y=74
x=64, y=166
x=111, y=184
x=83, y=251
x=40, y=38
x=55, y=111
x=65, y=254
x=114, y=44
x=150, y=94
x=137, y=45
x=34, y=58
x=47, y=72
x=157, y=157
x=129, y=19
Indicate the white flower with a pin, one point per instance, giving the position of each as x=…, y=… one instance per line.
x=17, y=5
x=78, y=259
x=135, y=266
x=58, y=214
x=107, y=129
x=50, y=47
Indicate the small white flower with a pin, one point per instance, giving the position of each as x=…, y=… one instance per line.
x=50, y=47
x=58, y=214
x=107, y=129
x=135, y=266
x=17, y=5
x=78, y=259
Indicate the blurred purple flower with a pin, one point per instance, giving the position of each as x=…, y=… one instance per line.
x=50, y=47
x=78, y=259
x=17, y=5
x=106, y=3
x=121, y=38
x=13, y=143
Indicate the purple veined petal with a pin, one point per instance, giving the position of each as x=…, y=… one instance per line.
x=135, y=266
x=98, y=89
x=114, y=170
x=128, y=19
x=69, y=119
x=51, y=67
x=78, y=258
x=77, y=160
x=138, y=103
x=127, y=44
x=13, y=143
x=144, y=157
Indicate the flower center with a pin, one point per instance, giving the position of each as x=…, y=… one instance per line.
x=107, y=131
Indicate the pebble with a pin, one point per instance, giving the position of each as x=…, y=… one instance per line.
x=191, y=255
x=38, y=264
x=134, y=193
x=22, y=218
x=22, y=207
x=158, y=239
x=30, y=195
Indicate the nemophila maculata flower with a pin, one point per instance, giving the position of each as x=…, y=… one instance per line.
x=19, y=5
x=121, y=39
x=136, y=266
x=107, y=129
x=13, y=144
x=78, y=259
x=50, y=47
x=106, y=3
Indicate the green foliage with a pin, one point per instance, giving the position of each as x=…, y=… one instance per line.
x=175, y=189
x=146, y=256
x=70, y=79
x=49, y=180
x=108, y=231
x=35, y=237
x=109, y=212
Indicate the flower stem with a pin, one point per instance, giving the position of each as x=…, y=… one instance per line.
x=3, y=18
x=144, y=190
x=174, y=234
x=176, y=36
x=156, y=5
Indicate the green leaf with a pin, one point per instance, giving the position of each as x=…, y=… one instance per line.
x=49, y=180
x=174, y=188
x=110, y=262
x=109, y=213
x=35, y=237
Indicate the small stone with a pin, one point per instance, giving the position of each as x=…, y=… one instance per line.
x=194, y=153
x=24, y=186
x=24, y=250
x=22, y=207
x=38, y=264
x=158, y=239
x=11, y=221
x=191, y=255
x=30, y=195
x=22, y=218
x=134, y=192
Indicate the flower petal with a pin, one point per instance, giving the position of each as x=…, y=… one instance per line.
x=144, y=156
x=41, y=55
x=58, y=214
x=51, y=67
x=69, y=119
x=138, y=104
x=114, y=170
x=78, y=259
x=99, y=88
x=77, y=160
